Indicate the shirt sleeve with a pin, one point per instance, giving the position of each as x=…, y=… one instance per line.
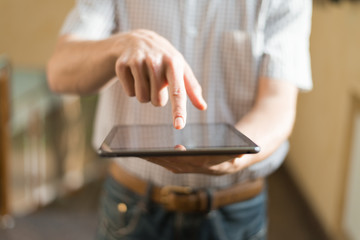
x=286, y=53
x=91, y=19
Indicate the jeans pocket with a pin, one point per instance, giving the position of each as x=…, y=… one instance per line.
x=120, y=212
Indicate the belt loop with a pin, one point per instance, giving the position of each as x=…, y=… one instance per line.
x=210, y=199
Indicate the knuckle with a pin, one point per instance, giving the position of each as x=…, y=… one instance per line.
x=179, y=112
x=153, y=63
x=175, y=60
x=120, y=65
x=137, y=58
x=136, y=62
x=178, y=92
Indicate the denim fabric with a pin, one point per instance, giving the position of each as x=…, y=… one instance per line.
x=146, y=220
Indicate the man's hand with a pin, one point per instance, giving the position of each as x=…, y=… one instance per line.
x=149, y=67
x=146, y=64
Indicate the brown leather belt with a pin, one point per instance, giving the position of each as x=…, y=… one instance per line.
x=185, y=199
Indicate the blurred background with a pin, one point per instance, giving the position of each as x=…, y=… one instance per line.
x=50, y=177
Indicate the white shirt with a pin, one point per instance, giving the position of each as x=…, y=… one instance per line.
x=227, y=43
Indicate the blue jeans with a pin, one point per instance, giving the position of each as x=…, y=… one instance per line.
x=146, y=220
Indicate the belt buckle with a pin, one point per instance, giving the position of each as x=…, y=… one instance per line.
x=167, y=194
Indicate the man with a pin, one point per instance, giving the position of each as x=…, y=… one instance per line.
x=247, y=58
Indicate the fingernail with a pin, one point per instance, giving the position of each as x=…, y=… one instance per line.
x=179, y=123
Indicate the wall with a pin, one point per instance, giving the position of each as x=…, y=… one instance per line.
x=352, y=207
x=29, y=29
x=319, y=155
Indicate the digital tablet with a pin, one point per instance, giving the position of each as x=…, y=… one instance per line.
x=164, y=140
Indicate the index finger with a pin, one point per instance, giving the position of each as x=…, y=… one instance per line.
x=177, y=91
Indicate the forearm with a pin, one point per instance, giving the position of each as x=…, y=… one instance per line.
x=271, y=120
x=81, y=67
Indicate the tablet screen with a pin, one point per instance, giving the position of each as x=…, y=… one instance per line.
x=162, y=140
